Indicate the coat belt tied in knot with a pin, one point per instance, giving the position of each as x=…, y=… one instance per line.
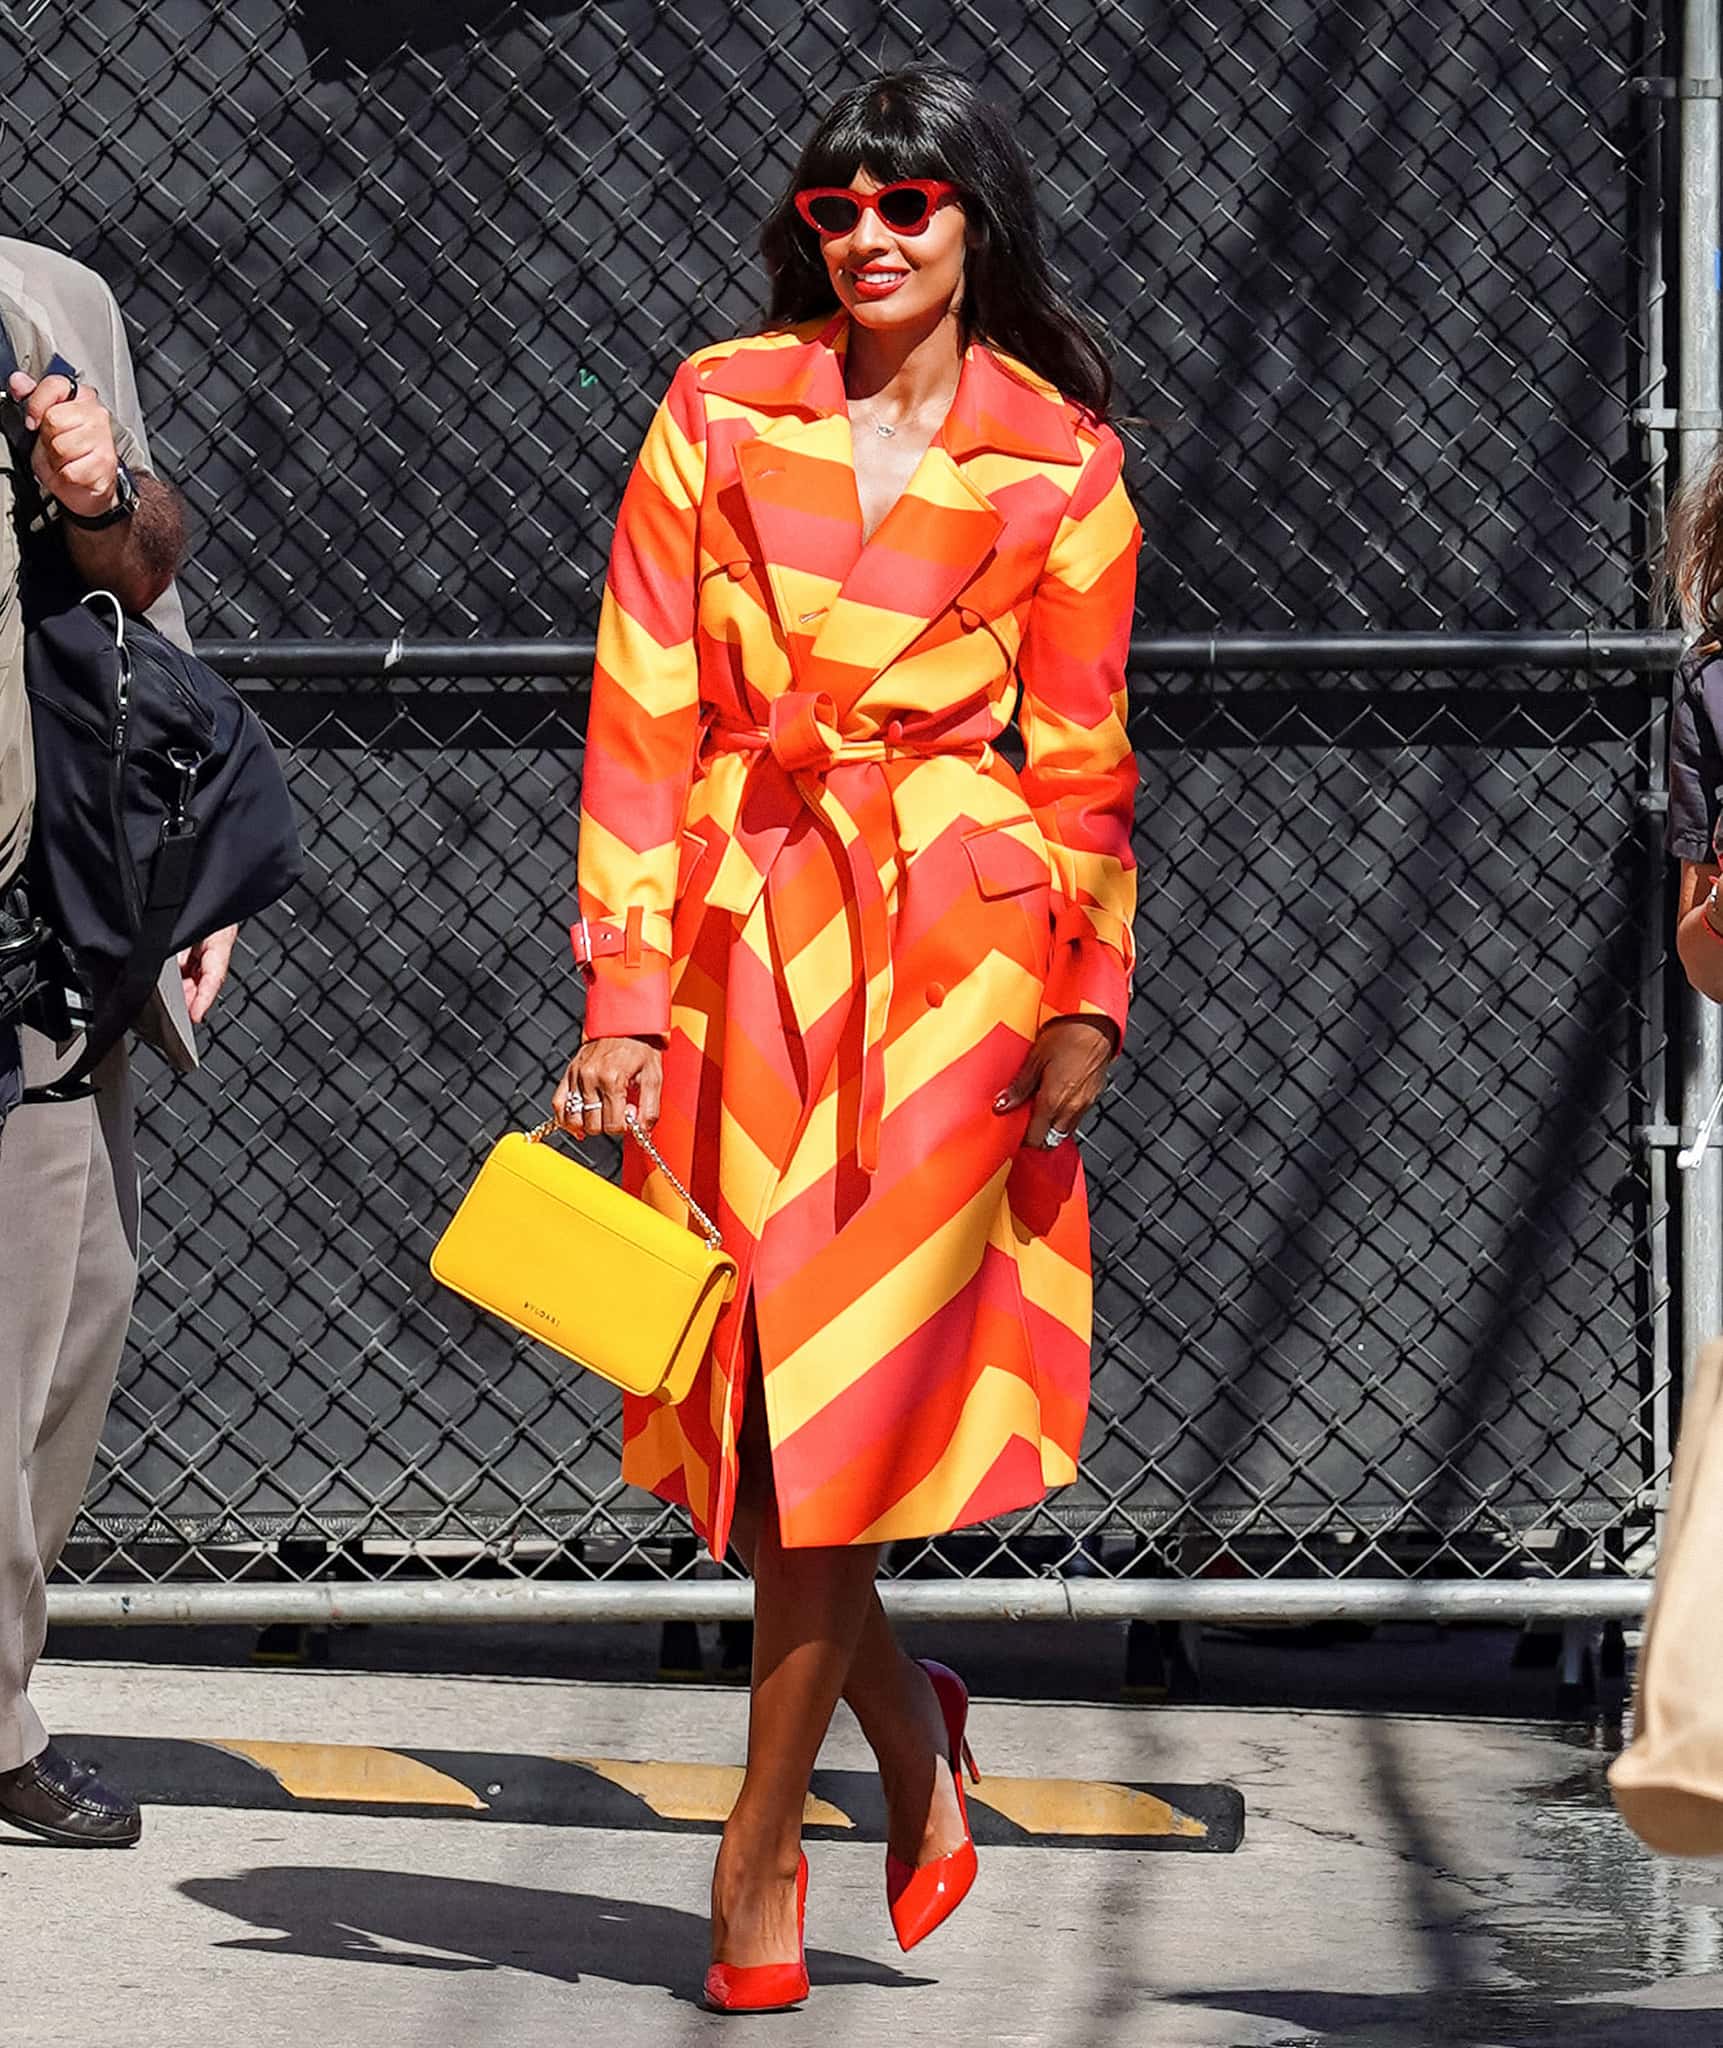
x=803, y=751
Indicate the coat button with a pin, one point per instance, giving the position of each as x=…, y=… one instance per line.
x=935, y=994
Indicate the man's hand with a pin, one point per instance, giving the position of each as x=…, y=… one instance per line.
x=203, y=969
x=75, y=458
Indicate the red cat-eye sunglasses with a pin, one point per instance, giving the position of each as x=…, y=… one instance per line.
x=906, y=207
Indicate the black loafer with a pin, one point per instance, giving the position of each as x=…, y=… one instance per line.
x=67, y=1804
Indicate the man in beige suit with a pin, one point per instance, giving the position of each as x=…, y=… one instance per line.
x=68, y=1171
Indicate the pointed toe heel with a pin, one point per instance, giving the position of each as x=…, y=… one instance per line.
x=921, y=1896
x=765, y=1987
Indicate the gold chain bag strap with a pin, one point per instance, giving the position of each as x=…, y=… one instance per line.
x=565, y=1255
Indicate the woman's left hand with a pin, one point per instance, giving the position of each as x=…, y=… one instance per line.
x=1064, y=1074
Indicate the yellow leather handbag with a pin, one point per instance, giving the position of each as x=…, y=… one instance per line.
x=565, y=1255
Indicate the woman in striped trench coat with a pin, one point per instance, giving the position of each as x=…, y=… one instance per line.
x=861, y=975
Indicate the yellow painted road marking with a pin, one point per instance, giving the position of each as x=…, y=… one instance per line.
x=1077, y=1806
x=353, y=1775
x=694, y=1791
x=338, y=1773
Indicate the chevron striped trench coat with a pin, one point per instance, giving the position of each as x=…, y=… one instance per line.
x=805, y=867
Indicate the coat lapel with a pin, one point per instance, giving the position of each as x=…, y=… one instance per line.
x=1003, y=408
x=922, y=553
x=847, y=610
x=796, y=472
x=798, y=482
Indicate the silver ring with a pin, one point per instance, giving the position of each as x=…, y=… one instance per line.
x=597, y=1102
x=1054, y=1138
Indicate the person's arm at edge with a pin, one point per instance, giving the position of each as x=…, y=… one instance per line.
x=138, y=558
x=1699, y=943
x=203, y=967
x=77, y=460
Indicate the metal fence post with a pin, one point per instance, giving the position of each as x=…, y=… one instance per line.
x=1701, y=394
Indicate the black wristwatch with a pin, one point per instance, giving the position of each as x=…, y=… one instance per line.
x=124, y=505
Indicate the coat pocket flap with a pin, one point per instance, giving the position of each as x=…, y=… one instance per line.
x=1007, y=857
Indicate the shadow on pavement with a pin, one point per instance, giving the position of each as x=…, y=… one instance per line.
x=1435, y=1895
x=344, y=1915
x=1482, y=2019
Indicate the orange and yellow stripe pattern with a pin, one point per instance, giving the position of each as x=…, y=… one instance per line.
x=804, y=867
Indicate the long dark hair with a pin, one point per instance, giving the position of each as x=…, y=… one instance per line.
x=1692, y=566
x=932, y=123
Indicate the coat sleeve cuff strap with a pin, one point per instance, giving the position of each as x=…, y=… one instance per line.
x=594, y=939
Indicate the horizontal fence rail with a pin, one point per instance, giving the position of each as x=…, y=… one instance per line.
x=1239, y=1603
x=1165, y=654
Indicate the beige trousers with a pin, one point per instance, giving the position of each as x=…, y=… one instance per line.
x=68, y=1271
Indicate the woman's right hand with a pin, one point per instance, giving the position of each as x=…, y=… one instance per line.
x=593, y=1093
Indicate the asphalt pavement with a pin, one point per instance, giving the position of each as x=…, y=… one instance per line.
x=1402, y=1878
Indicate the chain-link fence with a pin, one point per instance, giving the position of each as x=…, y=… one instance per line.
x=1382, y=1280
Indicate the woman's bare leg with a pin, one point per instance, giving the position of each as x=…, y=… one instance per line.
x=809, y=1609
x=885, y=1689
